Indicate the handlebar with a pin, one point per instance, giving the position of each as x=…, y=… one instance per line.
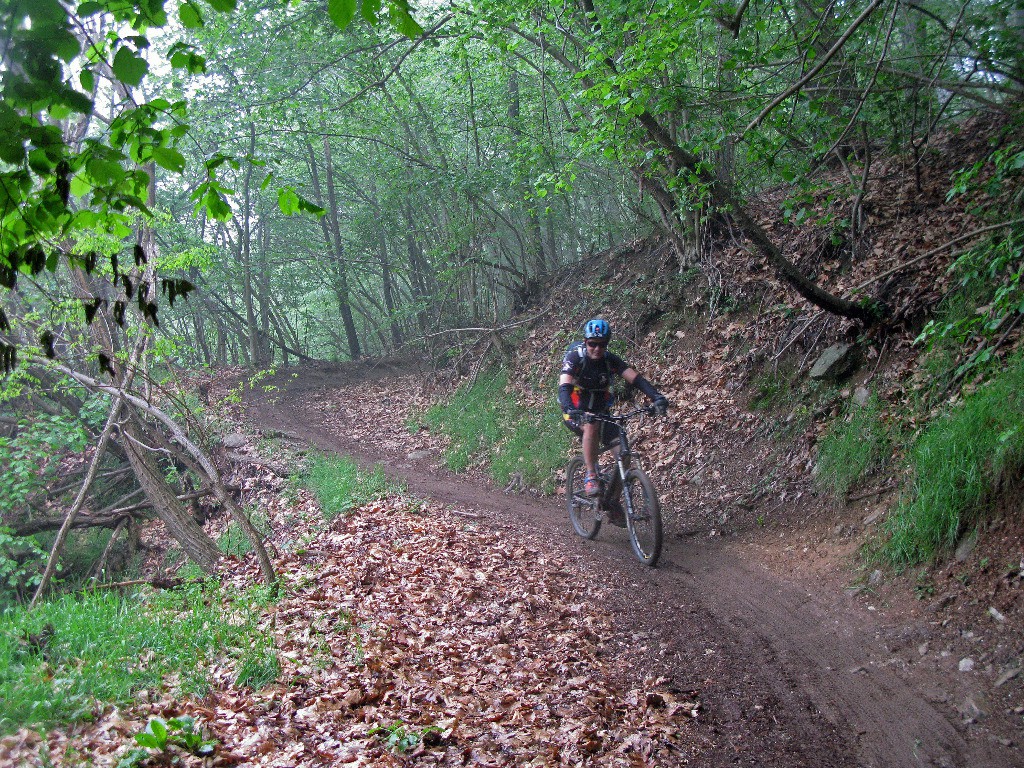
x=586, y=417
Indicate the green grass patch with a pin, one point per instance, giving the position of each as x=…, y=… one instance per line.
x=956, y=464
x=534, y=449
x=62, y=661
x=486, y=424
x=855, y=444
x=341, y=486
x=771, y=391
x=259, y=666
x=234, y=541
x=472, y=419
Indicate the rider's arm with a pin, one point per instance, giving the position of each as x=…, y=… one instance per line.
x=565, y=386
x=638, y=381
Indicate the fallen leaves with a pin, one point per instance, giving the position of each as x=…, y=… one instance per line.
x=410, y=633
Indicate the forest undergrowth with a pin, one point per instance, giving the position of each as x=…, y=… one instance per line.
x=751, y=446
x=399, y=630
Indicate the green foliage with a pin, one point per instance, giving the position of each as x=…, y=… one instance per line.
x=990, y=177
x=21, y=565
x=399, y=14
x=58, y=661
x=65, y=174
x=956, y=464
x=854, y=444
x=341, y=486
x=400, y=739
x=31, y=459
x=990, y=294
x=182, y=732
x=486, y=424
x=31, y=462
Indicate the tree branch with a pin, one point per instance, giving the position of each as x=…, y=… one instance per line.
x=799, y=84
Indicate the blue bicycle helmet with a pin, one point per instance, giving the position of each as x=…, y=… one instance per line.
x=597, y=329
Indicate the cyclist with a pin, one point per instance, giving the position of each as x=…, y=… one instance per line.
x=585, y=387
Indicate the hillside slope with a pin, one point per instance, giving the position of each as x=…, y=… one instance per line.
x=732, y=347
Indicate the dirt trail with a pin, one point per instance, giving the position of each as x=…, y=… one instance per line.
x=789, y=673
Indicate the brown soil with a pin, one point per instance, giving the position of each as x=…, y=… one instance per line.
x=791, y=667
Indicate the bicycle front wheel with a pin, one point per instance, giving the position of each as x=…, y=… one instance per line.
x=643, y=517
x=583, y=513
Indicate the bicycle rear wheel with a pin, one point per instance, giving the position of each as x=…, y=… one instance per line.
x=643, y=517
x=583, y=512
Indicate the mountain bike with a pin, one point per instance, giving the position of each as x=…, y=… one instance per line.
x=623, y=481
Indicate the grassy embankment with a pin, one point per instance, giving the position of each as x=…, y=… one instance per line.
x=954, y=467
x=487, y=425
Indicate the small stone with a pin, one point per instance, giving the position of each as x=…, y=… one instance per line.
x=1007, y=676
x=922, y=649
x=974, y=708
x=941, y=602
x=967, y=665
x=834, y=363
x=417, y=455
x=874, y=516
x=966, y=546
x=875, y=577
x=995, y=614
x=861, y=395
x=234, y=441
x=936, y=695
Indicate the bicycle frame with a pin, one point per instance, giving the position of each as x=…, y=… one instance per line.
x=642, y=511
x=610, y=486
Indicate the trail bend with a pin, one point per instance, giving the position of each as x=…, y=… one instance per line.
x=789, y=673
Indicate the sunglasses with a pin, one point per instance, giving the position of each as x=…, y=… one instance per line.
x=597, y=344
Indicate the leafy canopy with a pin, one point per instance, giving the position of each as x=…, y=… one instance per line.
x=62, y=174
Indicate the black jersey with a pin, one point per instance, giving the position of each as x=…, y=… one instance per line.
x=593, y=378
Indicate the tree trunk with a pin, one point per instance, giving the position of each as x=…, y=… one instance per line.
x=199, y=547
x=342, y=288
x=255, y=350
x=388, y=283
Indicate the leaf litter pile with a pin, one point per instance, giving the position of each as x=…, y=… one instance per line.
x=455, y=645
x=411, y=634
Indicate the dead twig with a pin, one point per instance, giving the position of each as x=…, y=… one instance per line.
x=158, y=582
x=933, y=251
x=470, y=515
x=869, y=494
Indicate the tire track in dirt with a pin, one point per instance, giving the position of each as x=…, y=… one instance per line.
x=789, y=678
